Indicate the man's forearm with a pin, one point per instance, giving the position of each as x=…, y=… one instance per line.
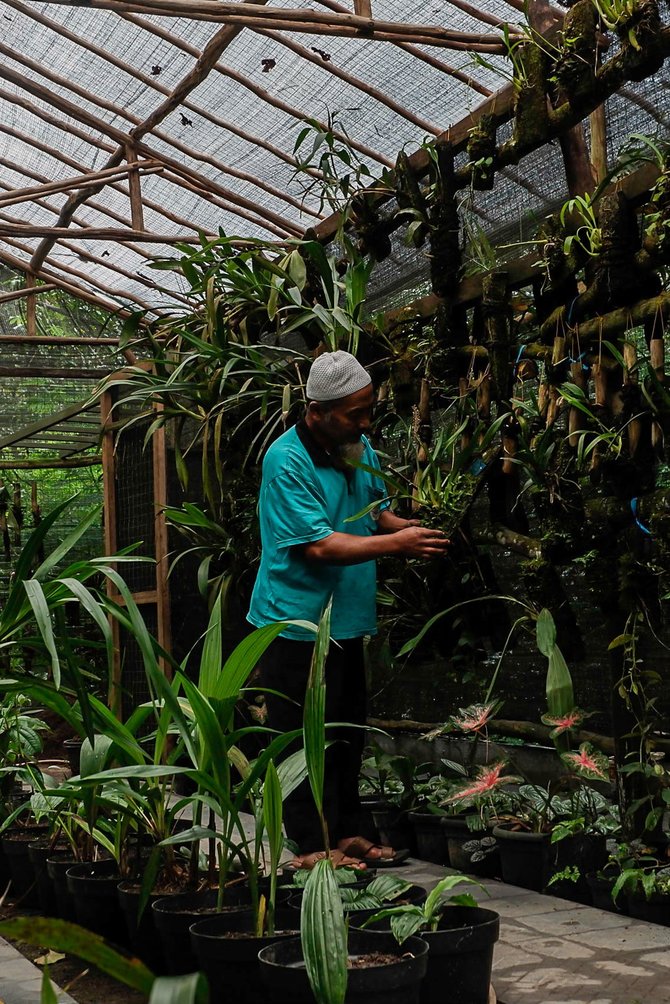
x=390, y=523
x=349, y=548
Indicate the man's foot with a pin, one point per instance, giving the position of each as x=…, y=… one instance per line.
x=373, y=855
x=339, y=859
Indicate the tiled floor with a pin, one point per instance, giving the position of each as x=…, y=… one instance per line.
x=550, y=951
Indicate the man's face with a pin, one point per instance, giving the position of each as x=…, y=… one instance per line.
x=343, y=422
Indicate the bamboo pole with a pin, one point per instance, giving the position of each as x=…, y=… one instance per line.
x=264, y=95
x=425, y=57
x=353, y=81
x=154, y=83
x=598, y=123
x=123, y=189
x=102, y=234
x=58, y=339
x=19, y=294
x=141, y=128
x=82, y=181
x=242, y=14
x=136, y=207
x=52, y=372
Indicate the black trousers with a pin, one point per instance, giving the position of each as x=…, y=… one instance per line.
x=285, y=668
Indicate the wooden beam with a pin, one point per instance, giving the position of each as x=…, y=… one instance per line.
x=363, y=8
x=155, y=84
x=18, y=294
x=361, y=85
x=140, y=129
x=264, y=95
x=57, y=339
x=349, y=25
x=51, y=372
x=55, y=464
x=19, y=229
x=82, y=181
x=81, y=292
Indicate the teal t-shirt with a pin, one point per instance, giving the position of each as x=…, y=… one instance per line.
x=304, y=498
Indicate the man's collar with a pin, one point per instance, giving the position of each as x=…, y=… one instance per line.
x=318, y=455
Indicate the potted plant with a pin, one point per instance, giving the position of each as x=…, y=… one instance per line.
x=460, y=936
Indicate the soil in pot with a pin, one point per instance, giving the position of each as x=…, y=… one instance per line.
x=460, y=956
x=96, y=903
x=15, y=844
x=399, y=982
x=174, y=915
x=524, y=857
x=431, y=844
x=227, y=952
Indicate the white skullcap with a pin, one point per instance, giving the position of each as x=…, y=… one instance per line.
x=334, y=375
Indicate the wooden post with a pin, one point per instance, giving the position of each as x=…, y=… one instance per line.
x=135, y=187
x=598, y=152
x=109, y=497
x=31, y=307
x=161, y=543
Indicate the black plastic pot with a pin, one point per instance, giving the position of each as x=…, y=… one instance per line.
x=656, y=909
x=96, y=903
x=431, y=844
x=585, y=851
x=58, y=865
x=464, y=854
x=38, y=852
x=15, y=843
x=73, y=752
x=143, y=938
x=393, y=826
x=460, y=956
x=601, y=893
x=174, y=915
x=524, y=857
x=227, y=953
x=285, y=977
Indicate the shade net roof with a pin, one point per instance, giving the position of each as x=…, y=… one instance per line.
x=74, y=82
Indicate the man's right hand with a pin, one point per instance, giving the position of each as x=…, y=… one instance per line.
x=420, y=542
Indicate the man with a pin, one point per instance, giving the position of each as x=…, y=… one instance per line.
x=310, y=552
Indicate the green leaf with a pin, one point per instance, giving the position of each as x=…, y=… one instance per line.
x=40, y=607
x=545, y=630
x=323, y=935
x=47, y=993
x=74, y=940
x=189, y=989
x=621, y=639
x=314, y=720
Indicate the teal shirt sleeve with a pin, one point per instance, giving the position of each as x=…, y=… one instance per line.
x=296, y=511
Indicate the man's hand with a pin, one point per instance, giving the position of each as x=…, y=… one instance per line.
x=420, y=542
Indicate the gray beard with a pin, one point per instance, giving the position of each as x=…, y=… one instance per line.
x=351, y=451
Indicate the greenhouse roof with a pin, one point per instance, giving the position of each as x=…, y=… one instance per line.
x=177, y=125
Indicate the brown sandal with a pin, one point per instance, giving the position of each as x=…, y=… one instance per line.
x=373, y=855
x=340, y=860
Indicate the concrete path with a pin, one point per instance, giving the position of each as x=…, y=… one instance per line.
x=20, y=980
x=551, y=951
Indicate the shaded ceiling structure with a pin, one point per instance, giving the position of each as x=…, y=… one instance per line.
x=129, y=126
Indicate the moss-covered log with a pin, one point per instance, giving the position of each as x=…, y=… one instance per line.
x=612, y=324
